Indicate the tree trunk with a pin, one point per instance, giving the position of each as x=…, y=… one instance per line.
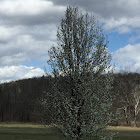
x=135, y=119
x=126, y=117
x=135, y=123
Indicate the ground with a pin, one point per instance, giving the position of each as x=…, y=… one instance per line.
x=16, y=131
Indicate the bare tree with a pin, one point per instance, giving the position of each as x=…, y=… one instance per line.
x=136, y=95
x=125, y=98
x=81, y=95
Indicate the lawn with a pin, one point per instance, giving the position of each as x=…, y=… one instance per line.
x=126, y=133
x=38, y=132
x=28, y=132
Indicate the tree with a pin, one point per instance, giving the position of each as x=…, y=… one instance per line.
x=81, y=90
x=136, y=95
x=125, y=99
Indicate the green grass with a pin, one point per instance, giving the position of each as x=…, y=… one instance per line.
x=38, y=132
x=125, y=133
x=28, y=132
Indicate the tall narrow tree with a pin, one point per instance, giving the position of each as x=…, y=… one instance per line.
x=81, y=94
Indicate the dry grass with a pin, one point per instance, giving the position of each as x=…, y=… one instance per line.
x=125, y=133
x=21, y=125
x=119, y=128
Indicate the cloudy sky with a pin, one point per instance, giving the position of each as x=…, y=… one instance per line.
x=28, y=29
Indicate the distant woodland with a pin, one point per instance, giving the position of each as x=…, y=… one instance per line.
x=20, y=100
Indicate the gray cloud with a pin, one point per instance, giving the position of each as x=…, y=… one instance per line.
x=114, y=14
x=106, y=8
x=29, y=12
x=30, y=20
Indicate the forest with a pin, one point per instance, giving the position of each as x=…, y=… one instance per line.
x=20, y=101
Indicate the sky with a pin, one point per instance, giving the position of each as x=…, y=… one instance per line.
x=28, y=29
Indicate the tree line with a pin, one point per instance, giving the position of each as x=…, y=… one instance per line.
x=20, y=100
x=127, y=88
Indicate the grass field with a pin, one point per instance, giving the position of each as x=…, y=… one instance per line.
x=28, y=132
x=126, y=133
x=38, y=132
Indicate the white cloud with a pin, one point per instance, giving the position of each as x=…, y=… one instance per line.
x=124, y=30
x=34, y=72
x=26, y=44
x=128, y=56
x=123, y=23
x=10, y=73
x=113, y=23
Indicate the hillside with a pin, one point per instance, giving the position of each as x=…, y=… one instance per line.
x=19, y=100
